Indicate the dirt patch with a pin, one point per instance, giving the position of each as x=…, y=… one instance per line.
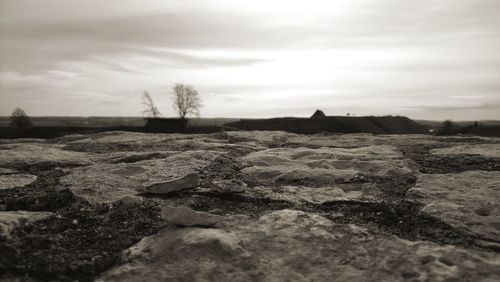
x=400, y=218
x=223, y=203
x=403, y=219
x=101, y=148
x=141, y=157
x=224, y=169
x=80, y=242
x=45, y=194
x=469, y=140
x=429, y=163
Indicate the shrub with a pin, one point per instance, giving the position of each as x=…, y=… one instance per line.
x=19, y=119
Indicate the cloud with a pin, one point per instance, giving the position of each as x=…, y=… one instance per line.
x=383, y=53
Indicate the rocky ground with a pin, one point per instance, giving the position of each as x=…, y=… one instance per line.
x=250, y=206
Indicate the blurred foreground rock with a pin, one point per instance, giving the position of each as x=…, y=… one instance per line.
x=468, y=200
x=299, y=246
x=183, y=216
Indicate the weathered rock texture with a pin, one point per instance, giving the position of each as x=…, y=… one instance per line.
x=103, y=182
x=185, y=182
x=326, y=165
x=29, y=154
x=485, y=150
x=468, y=200
x=250, y=206
x=183, y=216
x=300, y=247
x=8, y=181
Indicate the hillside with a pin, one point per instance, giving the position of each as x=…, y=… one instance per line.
x=62, y=121
x=435, y=124
x=340, y=124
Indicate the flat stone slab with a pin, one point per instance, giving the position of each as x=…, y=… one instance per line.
x=26, y=154
x=326, y=165
x=120, y=141
x=299, y=246
x=360, y=140
x=468, y=200
x=8, y=181
x=276, y=138
x=105, y=182
x=129, y=201
x=175, y=185
x=9, y=220
x=187, y=217
x=7, y=171
x=485, y=150
x=317, y=195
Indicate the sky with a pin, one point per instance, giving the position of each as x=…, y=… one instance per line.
x=423, y=59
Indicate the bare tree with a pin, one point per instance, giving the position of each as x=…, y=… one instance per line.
x=447, y=128
x=20, y=119
x=151, y=110
x=186, y=100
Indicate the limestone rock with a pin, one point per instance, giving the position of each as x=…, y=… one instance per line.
x=23, y=140
x=8, y=181
x=466, y=200
x=358, y=140
x=104, y=182
x=265, y=138
x=188, y=181
x=325, y=165
x=183, y=216
x=26, y=154
x=485, y=150
x=129, y=201
x=316, y=195
x=131, y=157
x=119, y=141
x=7, y=171
x=299, y=246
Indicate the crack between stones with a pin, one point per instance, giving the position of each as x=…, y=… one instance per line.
x=401, y=218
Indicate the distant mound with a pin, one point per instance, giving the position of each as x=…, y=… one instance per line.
x=340, y=124
x=318, y=114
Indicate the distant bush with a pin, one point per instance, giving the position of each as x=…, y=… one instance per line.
x=447, y=128
x=19, y=119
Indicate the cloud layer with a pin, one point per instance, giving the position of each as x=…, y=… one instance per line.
x=424, y=59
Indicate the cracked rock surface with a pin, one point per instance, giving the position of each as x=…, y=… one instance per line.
x=12, y=180
x=104, y=182
x=468, y=200
x=325, y=165
x=250, y=206
x=297, y=245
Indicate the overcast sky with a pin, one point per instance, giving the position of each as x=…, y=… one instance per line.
x=424, y=59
